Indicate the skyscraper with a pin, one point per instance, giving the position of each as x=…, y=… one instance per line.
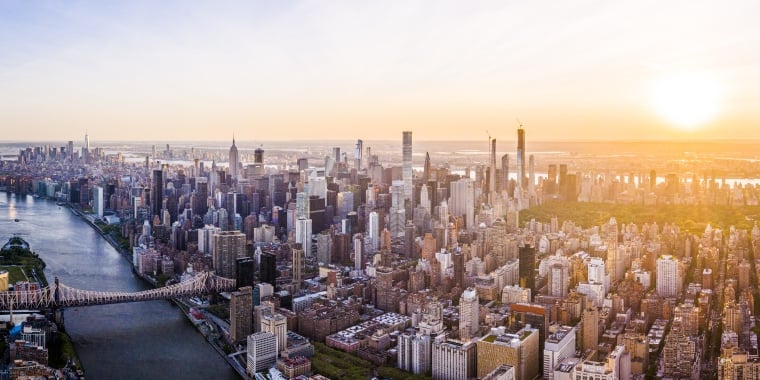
x=258, y=156
x=358, y=154
x=492, y=168
x=559, y=345
x=156, y=192
x=97, y=201
x=590, y=325
x=414, y=352
x=462, y=201
x=521, y=180
x=86, y=147
x=454, y=360
x=668, y=276
x=241, y=313
x=373, y=229
x=303, y=234
x=426, y=168
x=298, y=263
x=276, y=324
x=228, y=247
x=527, y=265
x=505, y=172
x=520, y=350
x=268, y=269
x=406, y=173
x=262, y=352
x=469, y=308
x=234, y=161
x=559, y=279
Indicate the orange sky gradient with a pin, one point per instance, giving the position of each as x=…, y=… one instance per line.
x=344, y=70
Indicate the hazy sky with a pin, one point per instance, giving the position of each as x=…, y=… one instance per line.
x=271, y=70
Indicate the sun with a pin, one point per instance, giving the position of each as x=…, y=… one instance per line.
x=687, y=100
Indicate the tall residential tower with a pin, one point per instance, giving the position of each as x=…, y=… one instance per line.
x=406, y=174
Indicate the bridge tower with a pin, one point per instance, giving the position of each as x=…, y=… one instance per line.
x=57, y=310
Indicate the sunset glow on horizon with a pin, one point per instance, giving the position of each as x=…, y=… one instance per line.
x=143, y=70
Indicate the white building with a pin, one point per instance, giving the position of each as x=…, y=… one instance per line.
x=469, y=308
x=454, y=360
x=98, y=203
x=558, y=346
x=276, y=324
x=262, y=352
x=462, y=200
x=415, y=352
x=668, y=276
x=303, y=234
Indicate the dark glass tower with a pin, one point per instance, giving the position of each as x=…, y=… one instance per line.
x=527, y=267
x=156, y=192
x=268, y=269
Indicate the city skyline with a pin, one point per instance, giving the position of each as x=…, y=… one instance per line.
x=141, y=71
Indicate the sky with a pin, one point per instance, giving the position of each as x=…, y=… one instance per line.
x=446, y=70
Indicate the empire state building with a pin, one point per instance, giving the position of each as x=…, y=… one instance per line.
x=233, y=161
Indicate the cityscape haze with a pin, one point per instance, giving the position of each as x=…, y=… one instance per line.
x=379, y=190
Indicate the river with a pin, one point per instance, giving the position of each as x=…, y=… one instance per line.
x=139, y=340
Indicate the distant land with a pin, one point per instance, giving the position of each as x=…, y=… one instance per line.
x=733, y=148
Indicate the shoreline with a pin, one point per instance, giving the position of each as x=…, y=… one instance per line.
x=125, y=254
x=62, y=347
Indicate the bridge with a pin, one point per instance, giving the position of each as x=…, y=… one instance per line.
x=61, y=295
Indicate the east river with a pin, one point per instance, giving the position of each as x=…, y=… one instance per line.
x=139, y=340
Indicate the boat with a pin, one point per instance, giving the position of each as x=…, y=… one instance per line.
x=16, y=220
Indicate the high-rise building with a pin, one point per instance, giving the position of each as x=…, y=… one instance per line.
x=414, y=352
x=559, y=279
x=358, y=251
x=521, y=178
x=590, y=325
x=505, y=172
x=454, y=360
x=469, y=309
x=527, y=264
x=206, y=238
x=425, y=198
x=298, y=257
x=245, y=271
x=492, y=168
x=679, y=353
x=462, y=201
x=303, y=205
x=228, y=247
x=373, y=229
x=303, y=234
x=668, y=276
x=97, y=201
x=737, y=364
x=532, y=177
x=358, y=155
x=276, y=324
x=262, y=352
x=617, y=365
x=559, y=345
x=520, y=350
x=406, y=170
x=241, y=313
x=426, y=169
x=397, y=212
x=234, y=161
x=156, y=192
x=70, y=150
